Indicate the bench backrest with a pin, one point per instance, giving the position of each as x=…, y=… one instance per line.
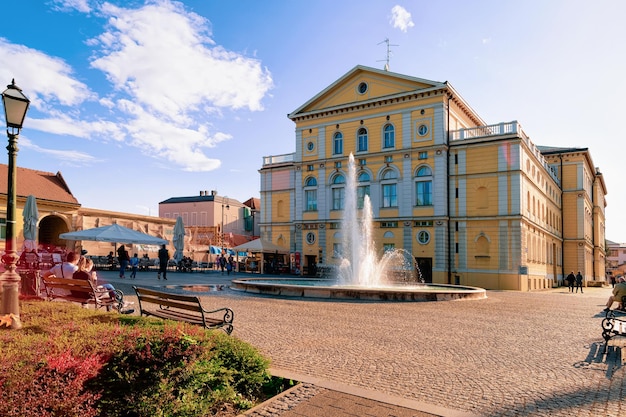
x=73, y=285
x=183, y=302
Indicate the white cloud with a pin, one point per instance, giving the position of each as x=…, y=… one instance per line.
x=168, y=78
x=401, y=18
x=47, y=80
x=80, y=5
x=71, y=157
x=164, y=58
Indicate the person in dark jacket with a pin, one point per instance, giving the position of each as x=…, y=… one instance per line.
x=164, y=257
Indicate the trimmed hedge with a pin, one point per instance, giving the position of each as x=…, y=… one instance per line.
x=71, y=361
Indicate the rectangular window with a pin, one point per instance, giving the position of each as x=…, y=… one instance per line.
x=424, y=193
x=390, y=198
x=422, y=155
x=423, y=223
x=388, y=225
x=338, y=198
x=456, y=159
x=311, y=200
x=337, y=251
x=389, y=247
x=310, y=167
x=361, y=192
x=456, y=193
x=3, y=228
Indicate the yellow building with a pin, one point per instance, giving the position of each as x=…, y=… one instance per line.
x=475, y=204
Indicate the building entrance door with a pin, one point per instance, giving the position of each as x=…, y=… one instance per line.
x=311, y=265
x=425, y=266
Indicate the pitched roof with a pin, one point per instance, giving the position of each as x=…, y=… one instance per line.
x=254, y=203
x=43, y=185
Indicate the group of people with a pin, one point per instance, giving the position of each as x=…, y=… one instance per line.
x=575, y=279
x=227, y=264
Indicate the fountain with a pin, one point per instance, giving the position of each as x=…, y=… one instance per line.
x=360, y=273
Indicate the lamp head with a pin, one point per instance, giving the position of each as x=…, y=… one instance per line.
x=15, y=106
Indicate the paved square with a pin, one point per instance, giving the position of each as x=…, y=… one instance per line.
x=512, y=354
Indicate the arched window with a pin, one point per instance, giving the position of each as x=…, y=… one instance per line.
x=424, y=186
x=338, y=191
x=361, y=140
x=310, y=194
x=338, y=144
x=389, y=187
x=363, y=188
x=389, y=137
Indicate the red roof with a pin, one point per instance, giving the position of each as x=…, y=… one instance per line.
x=253, y=203
x=43, y=185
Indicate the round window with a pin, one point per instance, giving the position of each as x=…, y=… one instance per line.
x=362, y=88
x=310, y=146
x=422, y=130
x=310, y=238
x=423, y=237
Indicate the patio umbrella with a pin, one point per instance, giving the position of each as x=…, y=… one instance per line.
x=115, y=234
x=31, y=216
x=179, y=239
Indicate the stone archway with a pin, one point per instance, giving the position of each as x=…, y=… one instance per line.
x=50, y=227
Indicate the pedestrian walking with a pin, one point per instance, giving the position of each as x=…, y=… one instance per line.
x=570, y=281
x=164, y=257
x=123, y=259
x=134, y=264
x=222, y=260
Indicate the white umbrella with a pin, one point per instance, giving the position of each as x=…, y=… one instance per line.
x=115, y=234
x=179, y=239
x=31, y=216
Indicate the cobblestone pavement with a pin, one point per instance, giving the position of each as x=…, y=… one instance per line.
x=512, y=354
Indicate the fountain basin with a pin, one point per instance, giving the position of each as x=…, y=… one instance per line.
x=329, y=289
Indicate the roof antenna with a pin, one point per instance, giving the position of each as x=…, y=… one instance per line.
x=388, y=53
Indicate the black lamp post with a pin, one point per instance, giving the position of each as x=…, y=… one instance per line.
x=15, y=108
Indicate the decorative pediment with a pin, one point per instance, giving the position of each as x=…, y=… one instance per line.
x=365, y=84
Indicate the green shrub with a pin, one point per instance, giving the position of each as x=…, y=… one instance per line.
x=69, y=361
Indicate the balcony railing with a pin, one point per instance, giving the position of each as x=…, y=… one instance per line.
x=507, y=128
x=278, y=159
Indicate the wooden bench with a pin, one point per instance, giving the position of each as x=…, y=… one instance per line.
x=82, y=291
x=612, y=327
x=185, y=308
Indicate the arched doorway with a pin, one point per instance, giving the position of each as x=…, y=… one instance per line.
x=50, y=227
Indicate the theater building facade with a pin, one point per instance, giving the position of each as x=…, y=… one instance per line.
x=474, y=203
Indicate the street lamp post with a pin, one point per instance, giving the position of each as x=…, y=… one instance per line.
x=15, y=108
x=227, y=208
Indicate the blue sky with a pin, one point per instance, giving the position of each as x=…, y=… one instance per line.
x=135, y=102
